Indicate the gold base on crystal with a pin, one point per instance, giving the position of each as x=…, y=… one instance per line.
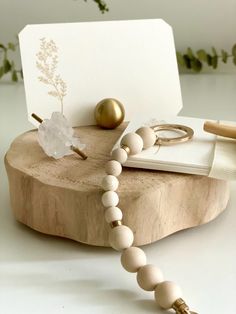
x=181, y=307
x=109, y=113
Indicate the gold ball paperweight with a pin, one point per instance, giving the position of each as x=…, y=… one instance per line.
x=109, y=113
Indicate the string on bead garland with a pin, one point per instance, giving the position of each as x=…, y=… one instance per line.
x=167, y=294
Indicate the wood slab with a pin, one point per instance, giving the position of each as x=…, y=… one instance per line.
x=63, y=197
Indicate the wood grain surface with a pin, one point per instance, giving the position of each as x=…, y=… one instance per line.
x=63, y=197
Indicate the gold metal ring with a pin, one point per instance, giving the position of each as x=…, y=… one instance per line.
x=173, y=127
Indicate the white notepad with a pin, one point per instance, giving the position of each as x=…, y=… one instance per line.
x=194, y=156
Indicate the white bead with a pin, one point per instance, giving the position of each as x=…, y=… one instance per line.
x=149, y=276
x=110, y=183
x=121, y=237
x=113, y=167
x=120, y=155
x=134, y=142
x=110, y=199
x=148, y=136
x=113, y=214
x=132, y=259
x=166, y=293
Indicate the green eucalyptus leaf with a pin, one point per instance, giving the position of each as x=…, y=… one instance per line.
x=190, y=53
x=12, y=65
x=234, y=50
x=209, y=59
x=11, y=46
x=187, y=61
x=214, y=51
x=6, y=66
x=101, y=5
x=180, y=59
x=234, y=60
x=224, y=56
x=196, y=65
x=21, y=74
x=1, y=71
x=14, y=76
x=202, y=55
x=214, y=62
x=2, y=46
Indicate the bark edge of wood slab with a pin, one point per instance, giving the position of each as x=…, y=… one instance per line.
x=63, y=197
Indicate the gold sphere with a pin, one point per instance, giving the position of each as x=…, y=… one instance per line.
x=109, y=113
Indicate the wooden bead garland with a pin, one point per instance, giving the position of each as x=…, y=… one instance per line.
x=148, y=136
x=121, y=237
x=113, y=167
x=110, y=183
x=110, y=198
x=120, y=155
x=149, y=277
x=134, y=142
x=133, y=258
x=166, y=293
x=113, y=214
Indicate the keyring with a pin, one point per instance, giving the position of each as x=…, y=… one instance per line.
x=173, y=127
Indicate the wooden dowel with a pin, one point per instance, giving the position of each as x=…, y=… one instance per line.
x=220, y=129
x=37, y=118
x=79, y=152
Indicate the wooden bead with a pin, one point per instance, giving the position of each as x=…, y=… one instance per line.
x=113, y=167
x=133, y=258
x=113, y=214
x=148, y=277
x=120, y=155
x=134, y=142
x=166, y=293
x=121, y=237
x=110, y=183
x=148, y=136
x=110, y=199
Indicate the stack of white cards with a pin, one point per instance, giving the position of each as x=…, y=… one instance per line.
x=194, y=156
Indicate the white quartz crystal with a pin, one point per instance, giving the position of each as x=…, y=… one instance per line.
x=56, y=136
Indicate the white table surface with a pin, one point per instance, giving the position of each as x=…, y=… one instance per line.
x=41, y=274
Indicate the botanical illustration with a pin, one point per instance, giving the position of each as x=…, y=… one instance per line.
x=47, y=61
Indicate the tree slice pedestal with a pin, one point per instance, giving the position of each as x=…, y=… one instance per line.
x=63, y=197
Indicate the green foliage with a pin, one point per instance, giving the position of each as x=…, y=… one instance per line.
x=194, y=61
x=7, y=65
x=101, y=5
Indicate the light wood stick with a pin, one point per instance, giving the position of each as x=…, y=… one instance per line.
x=220, y=129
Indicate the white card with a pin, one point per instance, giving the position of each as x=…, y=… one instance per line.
x=80, y=64
x=194, y=156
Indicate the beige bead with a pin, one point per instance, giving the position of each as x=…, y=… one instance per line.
x=166, y=293
x=120, y=155
x=132, y=259
x=121, y=237
x=148, y=136
x=110, y=199
x=113, y=214
x=113, y=167
x=134, y=142
x=110, y=183
x=149, y=276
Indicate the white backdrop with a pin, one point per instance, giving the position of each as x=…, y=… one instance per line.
x=199, y=24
